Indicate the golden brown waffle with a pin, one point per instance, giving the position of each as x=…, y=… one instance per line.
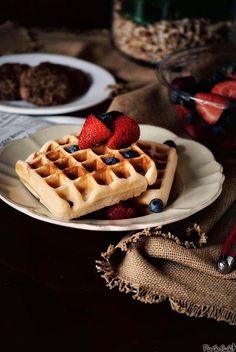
x=165, y=159
x=74, y=184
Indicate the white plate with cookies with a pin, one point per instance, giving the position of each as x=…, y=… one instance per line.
x=99, y=89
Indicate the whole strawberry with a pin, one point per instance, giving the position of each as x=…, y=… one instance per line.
x=120, y=211
x=125, y=132
x=93, y=133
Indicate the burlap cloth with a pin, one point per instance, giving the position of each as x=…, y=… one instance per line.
x=178, y=261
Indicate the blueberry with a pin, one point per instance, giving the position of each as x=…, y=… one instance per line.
x=191, y=118
x=156, y=205
x=130, y=154
x=72, y=148
x=111, y=161
x=170, y=143
x=108, y=117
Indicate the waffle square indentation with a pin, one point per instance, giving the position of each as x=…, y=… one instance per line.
x=74, y=172
x=64, y=163
x=121, y=170
x=103, y=177
x=54, y=181
x=37, y=162
x=93, y=165
x=85, y=186
x=55, y=154
x=46, y=170
x=140, y=165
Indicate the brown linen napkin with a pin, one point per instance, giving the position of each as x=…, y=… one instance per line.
x=157, y=264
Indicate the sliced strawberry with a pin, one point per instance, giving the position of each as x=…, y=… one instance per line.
x=125, y=132
x=210, y=106
x=93, y=133
x=226, y=88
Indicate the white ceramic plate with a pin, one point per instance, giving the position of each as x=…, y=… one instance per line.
x=201, y=179
x=97, y=92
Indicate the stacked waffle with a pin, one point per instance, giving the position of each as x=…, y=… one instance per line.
x=100, y=167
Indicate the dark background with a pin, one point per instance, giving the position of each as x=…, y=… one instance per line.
x=88, y=14
x=75, y=14
x=51, y=297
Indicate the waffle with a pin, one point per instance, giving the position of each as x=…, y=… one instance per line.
x=165, y=159
x=74, y=184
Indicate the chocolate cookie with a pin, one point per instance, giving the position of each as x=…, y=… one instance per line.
x=10, y=80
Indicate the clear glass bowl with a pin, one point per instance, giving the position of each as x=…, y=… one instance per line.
x=187, y=73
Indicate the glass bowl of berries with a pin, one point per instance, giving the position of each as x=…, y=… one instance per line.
x=201, y=84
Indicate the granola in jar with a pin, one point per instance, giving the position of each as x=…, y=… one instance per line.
x=150, y=42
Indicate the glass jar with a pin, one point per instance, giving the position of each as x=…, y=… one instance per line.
x=148, y=30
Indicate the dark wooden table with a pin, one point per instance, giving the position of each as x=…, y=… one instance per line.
x=53, y=299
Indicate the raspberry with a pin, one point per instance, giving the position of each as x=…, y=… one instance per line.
x=120, y=211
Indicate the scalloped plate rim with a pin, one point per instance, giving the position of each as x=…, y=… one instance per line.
x=118, y=225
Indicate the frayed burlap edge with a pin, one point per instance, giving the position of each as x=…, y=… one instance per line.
x=199, y=311
x=138, y=292
x=183, y=240
x=146, y=295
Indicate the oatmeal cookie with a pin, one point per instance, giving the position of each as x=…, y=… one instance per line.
x=44, y=85
x=10, y=80
x=51, y=84
x=79, y=80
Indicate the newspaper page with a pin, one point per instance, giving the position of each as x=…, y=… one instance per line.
x=14, y=126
